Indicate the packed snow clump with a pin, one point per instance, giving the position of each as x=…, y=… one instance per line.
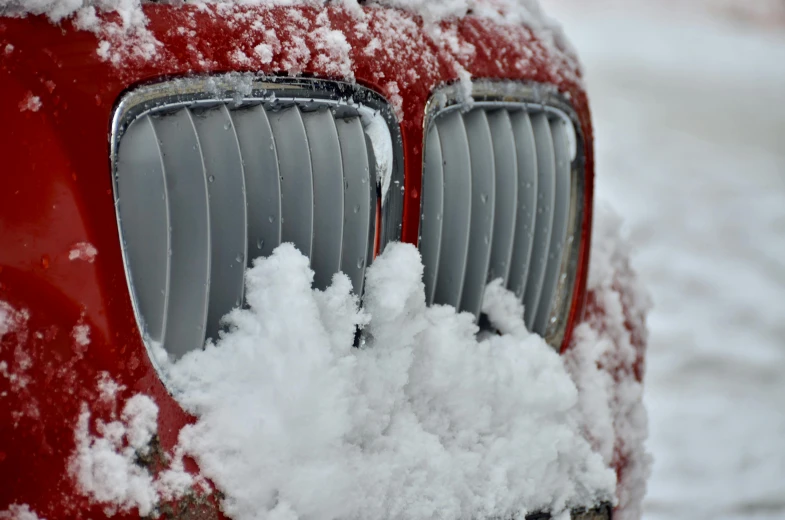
x=423, y=420
x=105, y=464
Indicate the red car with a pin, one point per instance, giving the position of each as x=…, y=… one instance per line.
x=143, y=169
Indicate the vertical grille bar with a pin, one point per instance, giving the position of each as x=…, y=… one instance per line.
x=144, y=210
x=262, y=180
x=328, y=195
x=357, y=200
x=228, y=216
x=296, y=178
x=561, y=212
x=483, y=209
x=527, y=201
x=457, y=209
x=189, y=211
x=544, y=219
x=506, y=164
x=433, y=208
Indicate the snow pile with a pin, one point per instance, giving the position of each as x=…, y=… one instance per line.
x=106, y=464
x=424, y=420
x=19, y=512
x=606, y=363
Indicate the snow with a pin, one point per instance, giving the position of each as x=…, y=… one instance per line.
x=425, y=419
x=30, y=103
x=689, y=106
x=14, y=322
x=603, y=363
x=81, y=334
x=127, y=38
x=105, y=463
x=19, y=512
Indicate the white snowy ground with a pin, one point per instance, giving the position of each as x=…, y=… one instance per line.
x=690, y=133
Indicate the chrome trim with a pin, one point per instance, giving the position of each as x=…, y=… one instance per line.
x=536, y=98
x=239, y=90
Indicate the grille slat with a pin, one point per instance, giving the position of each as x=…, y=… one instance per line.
x=561, y=212
x=503, y=175
x=527, y=201
x=504, y=220
x=357, y=200
x=145, y=206
x=328, y=195
x=228, y=215
x=189, y=210
x=483, y=189
x=546, y=169
x=262, y=180
x=457, y=209
x=296, y=178
x=433, y=209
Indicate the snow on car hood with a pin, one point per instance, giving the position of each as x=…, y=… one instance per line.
x=125, y=37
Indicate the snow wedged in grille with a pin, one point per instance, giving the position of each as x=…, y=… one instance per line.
x=497, y=203
x=203, y=188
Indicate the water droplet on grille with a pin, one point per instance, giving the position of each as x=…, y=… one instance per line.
x=211, y=178
x=259, y=244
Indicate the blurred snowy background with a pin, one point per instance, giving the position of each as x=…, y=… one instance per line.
x=689, y=110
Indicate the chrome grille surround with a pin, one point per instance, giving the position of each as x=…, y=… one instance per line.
x=468, y=240
x=195, y=155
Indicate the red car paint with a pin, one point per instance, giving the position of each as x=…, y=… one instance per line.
x=56, y=191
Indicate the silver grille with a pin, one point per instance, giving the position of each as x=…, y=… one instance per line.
x=501, y=199
x=206, y=182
